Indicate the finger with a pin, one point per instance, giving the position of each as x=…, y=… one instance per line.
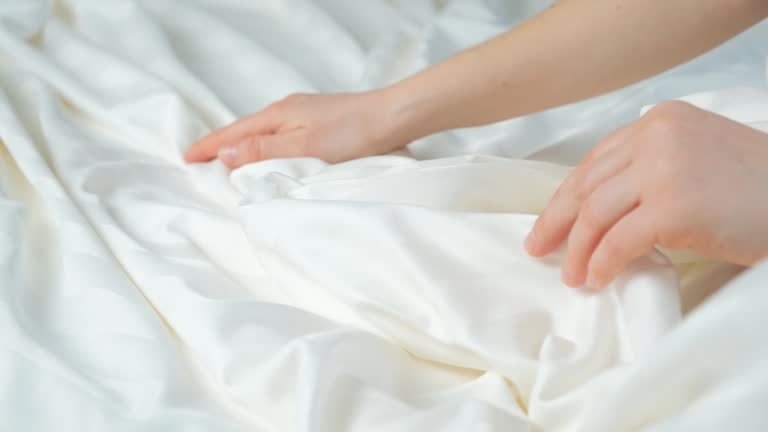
x=610, y=201
x=609, y=142
x=555, y=222
x=631, y=237
x=262, y=147
x=207, y=148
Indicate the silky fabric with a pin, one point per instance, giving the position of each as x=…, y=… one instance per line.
x=390, y=293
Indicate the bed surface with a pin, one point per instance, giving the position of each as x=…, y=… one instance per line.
x=391, y=293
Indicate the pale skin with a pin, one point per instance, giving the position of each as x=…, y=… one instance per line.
x=679, y=177
x=676, y=164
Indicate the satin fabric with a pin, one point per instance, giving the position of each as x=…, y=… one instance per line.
x=390, y=293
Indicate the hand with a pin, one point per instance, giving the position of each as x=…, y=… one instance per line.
x=679, y=177
x=333, y=127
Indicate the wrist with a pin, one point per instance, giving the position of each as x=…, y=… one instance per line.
x=400, y=118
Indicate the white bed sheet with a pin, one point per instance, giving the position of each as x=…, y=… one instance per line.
x=389, y=293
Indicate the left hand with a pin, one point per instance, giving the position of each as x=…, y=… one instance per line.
x=679, y=177
x=332, y=127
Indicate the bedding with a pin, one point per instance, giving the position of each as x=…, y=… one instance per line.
x=391, y=293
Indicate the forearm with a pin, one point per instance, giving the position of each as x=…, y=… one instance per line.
x=574, y=50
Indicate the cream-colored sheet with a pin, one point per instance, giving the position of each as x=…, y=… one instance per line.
x=391, y=293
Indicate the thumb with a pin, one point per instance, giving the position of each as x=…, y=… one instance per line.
x=262, y=147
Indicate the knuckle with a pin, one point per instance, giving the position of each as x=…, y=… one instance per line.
x=590, y=214
x=666, y=141
x=295, y=98
x=668, y=121
x=663, y=174
x=581, y=191
x=560, y=192
x=275, y=108
x=570, y=189
x=251, y=149
x=220, y=132
x=672, y=109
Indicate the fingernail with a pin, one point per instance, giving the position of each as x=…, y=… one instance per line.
x=530, y=243
x=659, y=258
x=594, y=282
x=228, y=155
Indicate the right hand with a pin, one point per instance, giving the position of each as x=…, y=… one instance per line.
x=679, y=177
x=332, y=127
